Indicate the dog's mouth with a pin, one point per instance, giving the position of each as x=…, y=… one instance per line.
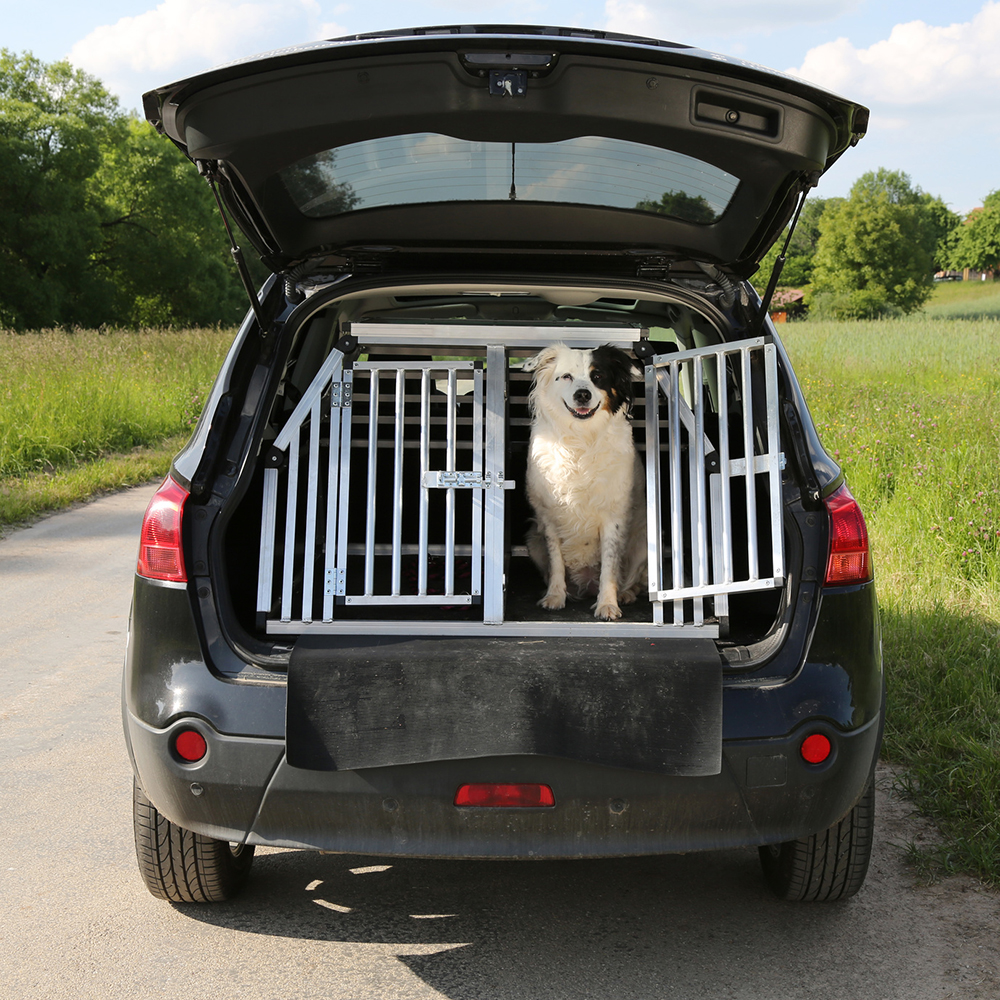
x=581, y=412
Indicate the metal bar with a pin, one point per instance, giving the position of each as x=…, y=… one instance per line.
x=676, y=508
x=739, y=587
x=773, y=445
x=726, y=502
x=449, y=508
x=468, y=335
x=268, y=516
x=288, y=575
x=397, y=486
x=477, y=495
x=332, y=506
x=317, y=387
x=372, y=473
x=448, y=600
x=654, y=498
x=425, y=451
x=748, y=451
x=660, y=360
x=595, y=629
x=718, y=552
x=312, y=488
x=344, y=503
x=493, y=500
x=405, y=364
x=696, y=485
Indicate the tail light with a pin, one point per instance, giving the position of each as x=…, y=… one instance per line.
x=816, y=749
x=849, y=560
x=498, y=794
x=190, y=745
x=160, y=553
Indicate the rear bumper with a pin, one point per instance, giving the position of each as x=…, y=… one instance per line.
x=244, y=789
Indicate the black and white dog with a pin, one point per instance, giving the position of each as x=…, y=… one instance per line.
x=584, y=480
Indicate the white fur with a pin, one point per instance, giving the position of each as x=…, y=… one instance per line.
x=586, y=485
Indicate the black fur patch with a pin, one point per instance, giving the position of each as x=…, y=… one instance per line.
x=613, y=370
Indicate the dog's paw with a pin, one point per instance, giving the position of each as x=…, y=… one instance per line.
x=553, y=602
x=609, y=611
x=626, y=597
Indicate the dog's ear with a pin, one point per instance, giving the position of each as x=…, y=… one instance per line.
x=620, y=370
x=545, y=358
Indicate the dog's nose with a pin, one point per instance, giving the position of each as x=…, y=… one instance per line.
x=581, y=396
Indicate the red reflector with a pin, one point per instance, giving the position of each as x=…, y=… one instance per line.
x=160, y=554
x=815, y=749
x=849, y=561
x=190, y=745
x=493, y=794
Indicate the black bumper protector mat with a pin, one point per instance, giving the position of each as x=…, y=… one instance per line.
x=380, y=701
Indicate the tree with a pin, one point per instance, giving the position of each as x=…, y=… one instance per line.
x=101, y=220
x=680, y=205
x=160, y=236
x=802, y=248
x=52, y=122
x=877, y=249
x=975, y=243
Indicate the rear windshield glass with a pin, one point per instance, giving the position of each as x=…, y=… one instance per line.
x=589, y=170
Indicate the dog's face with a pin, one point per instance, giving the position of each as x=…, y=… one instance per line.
x=581, y=385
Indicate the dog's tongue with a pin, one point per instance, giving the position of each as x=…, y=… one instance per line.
x=583, y=411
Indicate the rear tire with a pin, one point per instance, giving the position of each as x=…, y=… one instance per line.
x=181, y=866
x=827, y=866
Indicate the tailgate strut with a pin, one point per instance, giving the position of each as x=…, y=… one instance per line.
x=779, y=263
x=209, y=169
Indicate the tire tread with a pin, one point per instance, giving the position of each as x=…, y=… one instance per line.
x=829, y=865
x=181, y=866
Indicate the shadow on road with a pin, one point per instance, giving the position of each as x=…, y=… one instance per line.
x=698, y=925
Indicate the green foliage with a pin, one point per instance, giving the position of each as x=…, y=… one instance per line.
x=802, y=248
x=101, y=220
x=976, y=242
x=876, y=250
x=161, y=236
x=52, y=123
x=681, y=206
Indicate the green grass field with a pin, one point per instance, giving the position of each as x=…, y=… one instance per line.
x=911, y=408
x=86, y=411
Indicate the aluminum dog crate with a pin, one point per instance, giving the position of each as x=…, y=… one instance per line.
x=385, y=490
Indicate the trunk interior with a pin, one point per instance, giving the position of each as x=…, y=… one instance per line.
x=415, y=556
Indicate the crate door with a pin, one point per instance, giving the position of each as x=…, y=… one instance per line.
x=410, y=505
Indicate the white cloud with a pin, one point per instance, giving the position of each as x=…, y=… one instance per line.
x=682, y=20
x=179, y=37
x=918, y=64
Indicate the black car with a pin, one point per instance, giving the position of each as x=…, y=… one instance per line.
x=335, y=639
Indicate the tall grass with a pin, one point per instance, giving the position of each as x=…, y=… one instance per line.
x=69, y=398
x=911, y=408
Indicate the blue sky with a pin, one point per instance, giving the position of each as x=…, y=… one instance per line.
x=929, y=71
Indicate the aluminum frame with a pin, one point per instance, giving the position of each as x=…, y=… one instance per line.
x=706, y=533
x=325, y=542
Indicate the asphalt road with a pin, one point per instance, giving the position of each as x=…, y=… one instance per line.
x=76, y=922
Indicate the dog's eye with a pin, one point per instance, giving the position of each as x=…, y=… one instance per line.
x=567, y=377
x=597, y=378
